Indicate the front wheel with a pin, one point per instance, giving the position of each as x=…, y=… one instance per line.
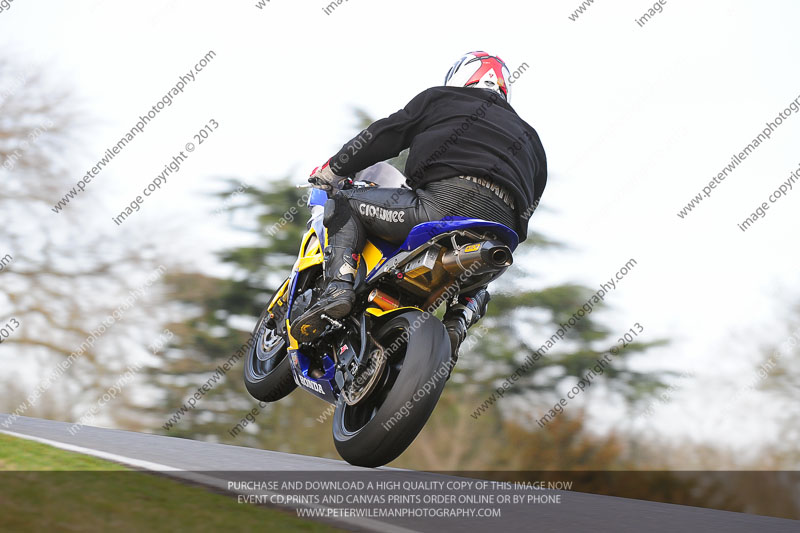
x=377, y=429
x=267, y=374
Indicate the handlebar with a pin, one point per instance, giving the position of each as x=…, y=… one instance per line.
x=344, y=184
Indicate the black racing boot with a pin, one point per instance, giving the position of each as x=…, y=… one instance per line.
x=336, y=302
x=462, y=316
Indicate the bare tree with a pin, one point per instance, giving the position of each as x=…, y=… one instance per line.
x=61, y=278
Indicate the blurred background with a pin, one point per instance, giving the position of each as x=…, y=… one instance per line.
x=635, y=121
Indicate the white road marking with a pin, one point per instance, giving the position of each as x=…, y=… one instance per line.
x=136, y=463
x=203, y=479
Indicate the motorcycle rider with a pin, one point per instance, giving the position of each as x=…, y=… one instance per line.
x=470, y=155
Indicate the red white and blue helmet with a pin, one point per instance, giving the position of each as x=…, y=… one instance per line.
x=482, y=70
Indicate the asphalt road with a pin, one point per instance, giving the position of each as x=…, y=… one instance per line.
x=227, y=468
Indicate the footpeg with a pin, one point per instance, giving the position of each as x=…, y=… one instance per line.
x=332, y=321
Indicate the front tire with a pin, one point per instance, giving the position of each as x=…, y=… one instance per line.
x=267, y=371
x=379, y=428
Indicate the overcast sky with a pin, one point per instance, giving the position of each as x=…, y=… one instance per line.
x=635, y=120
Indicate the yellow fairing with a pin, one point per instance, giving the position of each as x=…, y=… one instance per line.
x=380, y=312
x=372, y=256
x=310, y=255
x=279, y=294
x=310, y=252
x=313, y=256
x=292, y=342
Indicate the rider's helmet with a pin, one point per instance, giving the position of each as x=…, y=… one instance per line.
x=479, y=69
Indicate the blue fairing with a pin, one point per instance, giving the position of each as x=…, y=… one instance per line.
x=387, y=249
x=317, y=197
x=324, y=387
x=424, y=232
x=292, y=288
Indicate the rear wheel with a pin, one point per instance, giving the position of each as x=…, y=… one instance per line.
x=378, y=428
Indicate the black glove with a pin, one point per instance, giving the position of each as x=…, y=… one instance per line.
x=324, y=178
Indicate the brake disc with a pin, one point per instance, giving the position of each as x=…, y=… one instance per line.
x=371, y=374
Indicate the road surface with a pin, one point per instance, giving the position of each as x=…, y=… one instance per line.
x=247, y=473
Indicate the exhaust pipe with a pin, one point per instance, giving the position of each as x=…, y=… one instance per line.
x=478, y=257
x=501, y=257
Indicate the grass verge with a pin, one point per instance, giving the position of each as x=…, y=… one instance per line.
x=43, y=488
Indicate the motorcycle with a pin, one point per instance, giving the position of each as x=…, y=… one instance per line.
x=385, y=365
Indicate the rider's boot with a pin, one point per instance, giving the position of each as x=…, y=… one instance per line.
x=461, y=316
x=336, y=302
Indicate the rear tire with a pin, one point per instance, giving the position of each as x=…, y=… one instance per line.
x=267, y=371
x=379, y=428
